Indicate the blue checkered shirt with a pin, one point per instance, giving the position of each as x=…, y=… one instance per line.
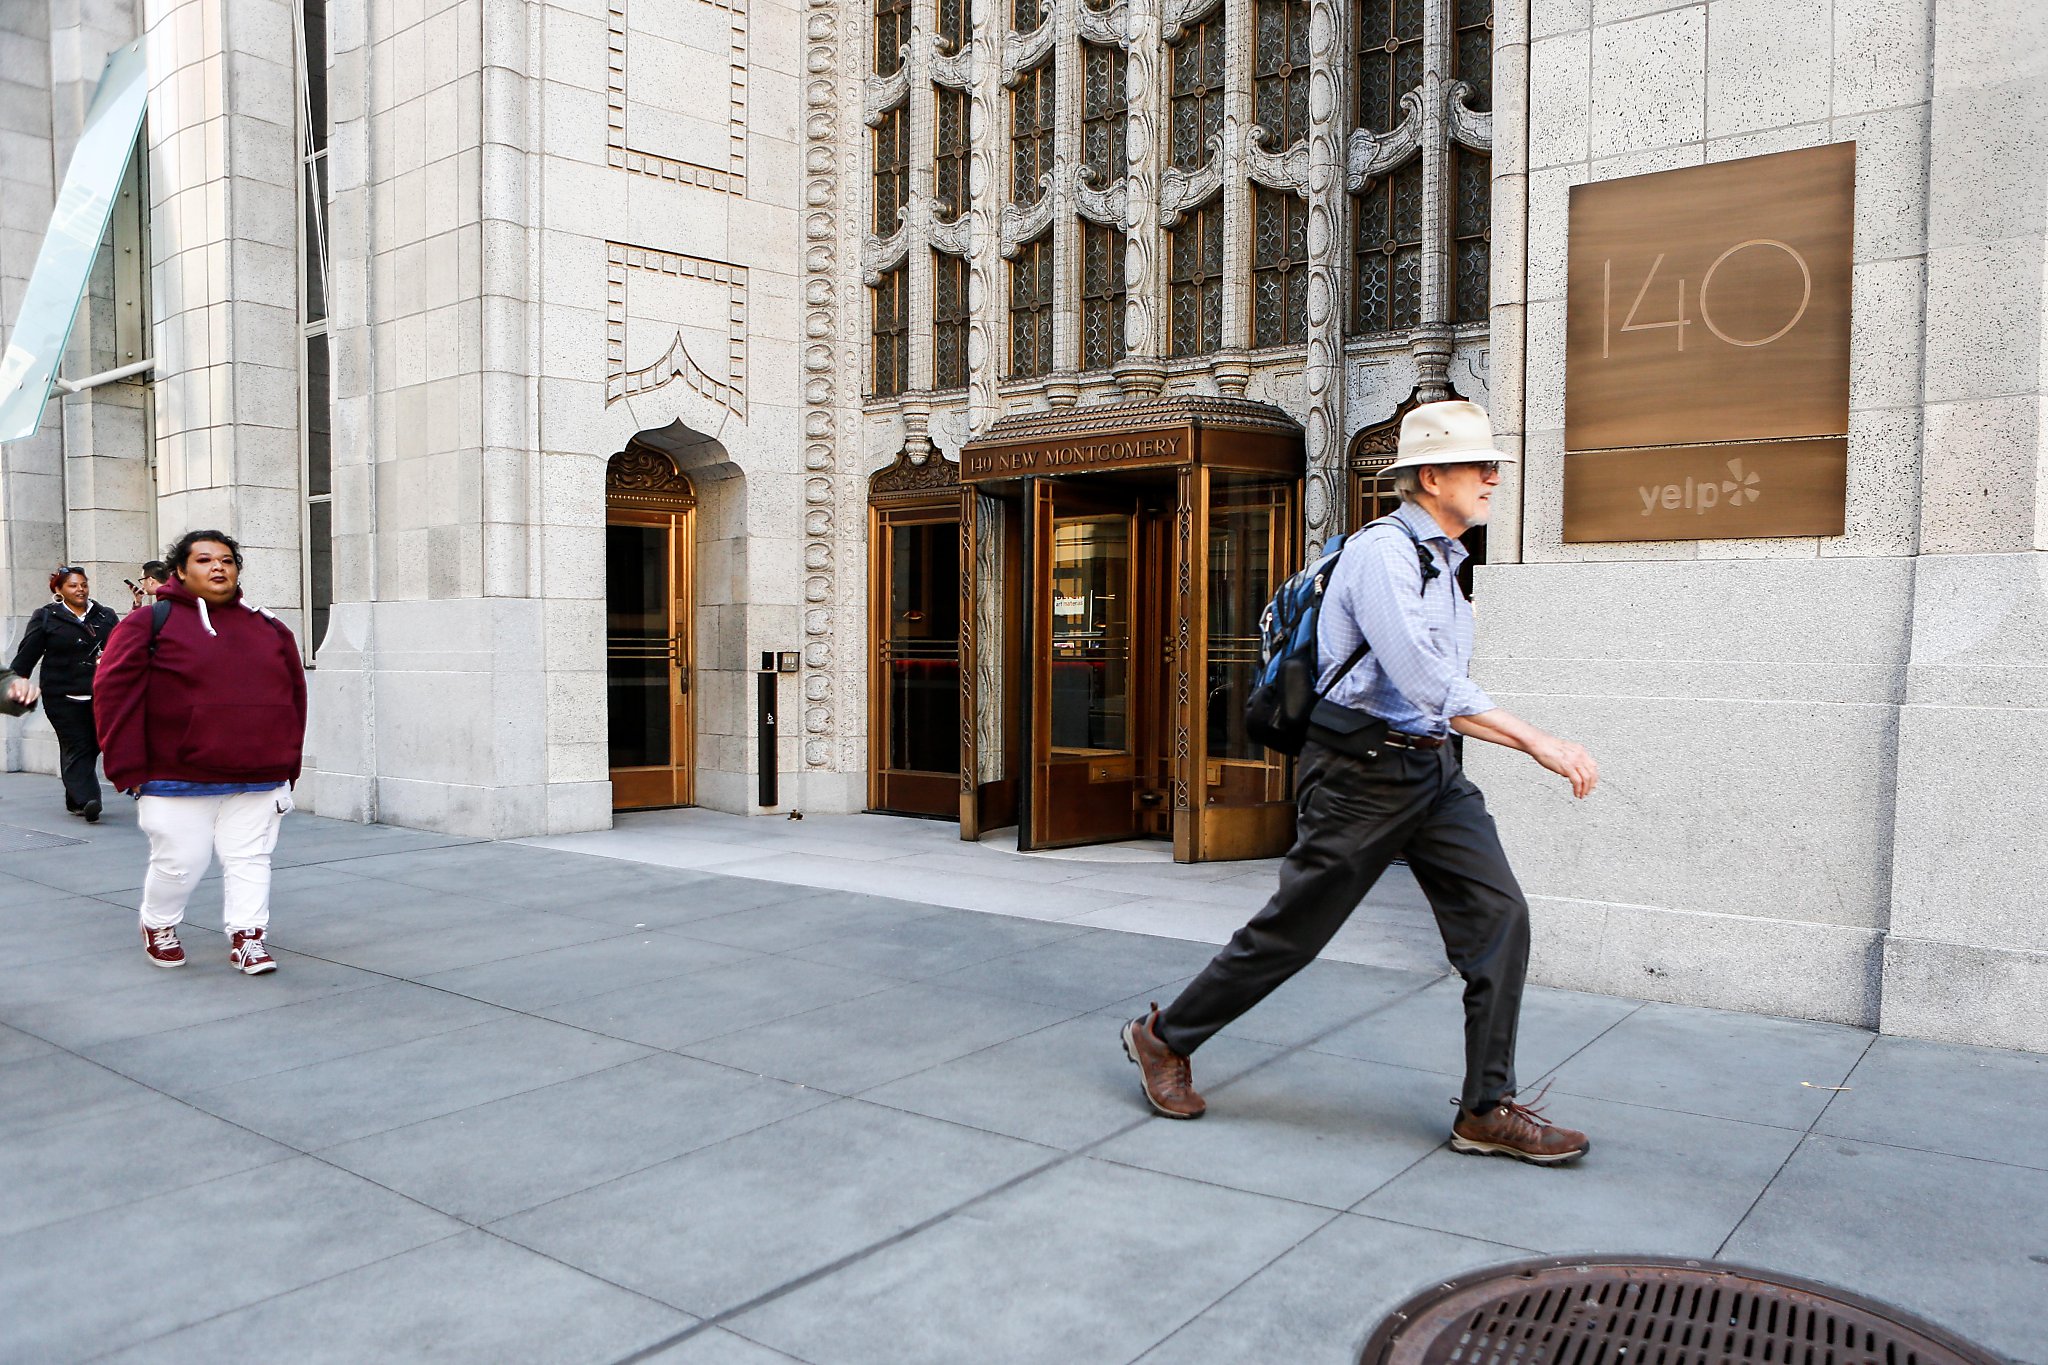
x=1414, y=678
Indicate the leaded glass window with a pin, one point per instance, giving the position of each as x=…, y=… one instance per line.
x=952, y=138
x=1104, y=148
x=1472, y=49
x=1387, y=255
x=892, y=169
x=892, y=331
x=1279, y=267
x=952, y=25
x=1102, y=296
x=1031, y=115
x=1196, y=94
x=1471, y=219
x=892, y=31
x=949, y=321
x=1389, y=60
x=1026, y=15
x=1031, y=309
x=1280, y=72
x=1194, y=281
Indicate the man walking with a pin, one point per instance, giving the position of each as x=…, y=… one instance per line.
x=202, y=715
x=1380, y=779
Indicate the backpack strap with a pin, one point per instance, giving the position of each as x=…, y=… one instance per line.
x=158, y=614
x=1422, y=555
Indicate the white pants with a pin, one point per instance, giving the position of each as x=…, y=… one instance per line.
x=183, y=833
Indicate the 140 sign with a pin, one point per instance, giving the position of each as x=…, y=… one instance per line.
x=1711, y=304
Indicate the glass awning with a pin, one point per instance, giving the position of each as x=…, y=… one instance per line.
x=76, y=227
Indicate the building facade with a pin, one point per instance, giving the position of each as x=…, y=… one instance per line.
x=909, y=404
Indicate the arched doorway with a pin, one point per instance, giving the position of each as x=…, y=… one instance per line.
x=650, y=556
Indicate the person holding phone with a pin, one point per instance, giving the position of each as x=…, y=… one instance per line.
x=65, y=637
x=154, y=575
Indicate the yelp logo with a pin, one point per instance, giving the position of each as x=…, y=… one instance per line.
x=1698, y=495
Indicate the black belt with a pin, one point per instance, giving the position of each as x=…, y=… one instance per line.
x=1401, y=741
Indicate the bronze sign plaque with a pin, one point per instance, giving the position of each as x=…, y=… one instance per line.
x=1704, y=306
x=1143, y=451
x=1721, y=492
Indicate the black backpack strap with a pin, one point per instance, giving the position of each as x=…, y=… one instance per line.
x=1423, y=557
x=158, y=614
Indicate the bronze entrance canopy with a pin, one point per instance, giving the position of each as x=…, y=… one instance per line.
x=1115, y=564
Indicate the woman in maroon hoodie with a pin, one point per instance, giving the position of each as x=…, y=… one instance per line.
x=201, y=704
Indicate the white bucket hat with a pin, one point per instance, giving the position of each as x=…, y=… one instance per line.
x=1451, y=432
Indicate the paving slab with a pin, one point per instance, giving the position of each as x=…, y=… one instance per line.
x=495, y=1159
x=796, y=920
x=930, y=944
x=1114, y=1259
x=533, y=981
x=1963, y=1243
x=682, y=1010
x=712, y=1230
x=1427, y=1030
x=368, y=1092
x=1318, y=1303
x=106, y=1280
x=56, y=1087
x=717, y=1346
x=1655, y=1182
x=1085, y=971
x=1942, y=1098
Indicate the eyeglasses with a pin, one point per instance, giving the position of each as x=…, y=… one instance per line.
x=66, y=570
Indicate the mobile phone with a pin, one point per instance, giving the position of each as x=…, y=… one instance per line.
x=131, y=585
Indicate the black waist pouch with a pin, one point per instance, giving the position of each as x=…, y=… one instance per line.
x=1358, y=734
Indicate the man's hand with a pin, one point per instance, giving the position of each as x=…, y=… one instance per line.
x=1568, y=760
x=24, y=692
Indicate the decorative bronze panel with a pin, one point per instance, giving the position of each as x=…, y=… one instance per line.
x=1709, y=492
x=1712, y=303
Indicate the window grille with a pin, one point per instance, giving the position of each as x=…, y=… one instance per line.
x=1104, y=148
x=954, y=137
x=949, y=321
x=1387, y=256
x=1031, y=116
x=1279, y=267
x=892, y=170
x=1472, y=49
x=892, y=331
x=1389, y=60
x=952, y=25
x=1026, y=15
x=1471, y=222
x=892, y=31
x=1280, y=72
x=1102, y=296
x=1031, y=309
x=1196, y=95
x=1195, y=281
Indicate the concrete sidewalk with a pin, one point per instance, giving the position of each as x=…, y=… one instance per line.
x=508, y=1103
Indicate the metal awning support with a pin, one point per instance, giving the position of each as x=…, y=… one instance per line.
x=28, y=368
x=93, y=381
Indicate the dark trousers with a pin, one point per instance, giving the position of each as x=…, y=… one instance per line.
x=1354, y=816
x=78, y=748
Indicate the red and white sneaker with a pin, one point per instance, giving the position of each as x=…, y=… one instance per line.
x=248, y=955
x=162, y=946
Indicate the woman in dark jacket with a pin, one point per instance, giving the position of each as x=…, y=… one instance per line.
x=65, y=637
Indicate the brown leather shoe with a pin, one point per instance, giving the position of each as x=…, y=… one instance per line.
x=1169, y=1081
x=1519, y=1131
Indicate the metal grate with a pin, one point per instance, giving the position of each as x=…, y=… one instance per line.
x=1652, y=1311
x=15, y=839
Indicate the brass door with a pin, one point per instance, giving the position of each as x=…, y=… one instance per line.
x=1098, y=656
x=915, y=729
x=649, y=589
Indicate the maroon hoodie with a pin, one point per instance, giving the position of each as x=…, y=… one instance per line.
x=223, y=699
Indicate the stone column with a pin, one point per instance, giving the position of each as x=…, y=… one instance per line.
x=987, y=190
x=1237, y=17
x=920, y=109
x=1431, y=341
x=1324, y=501
x=1145, y=87
x=1066, y=227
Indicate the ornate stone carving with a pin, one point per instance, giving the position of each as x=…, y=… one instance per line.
x=1180, y=191
x=1371, y=156
x=1468, y=126
x=1021, y=225
x=637, y=469
x=729, y=175
x=1109, y=206
x=954, y=70
x=1286, y=170
x=955, y=238
x=626, y=380
x=1108, y=27
x=885, y=253
x=985, y=174
x=1325, y=183
x=1022, y=51
x=911, y=477
x=820, y=362
x=1178, y=16
x=1145, y=100
x=880, y=94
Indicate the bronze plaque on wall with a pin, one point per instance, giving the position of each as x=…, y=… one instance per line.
x=1705, y=306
